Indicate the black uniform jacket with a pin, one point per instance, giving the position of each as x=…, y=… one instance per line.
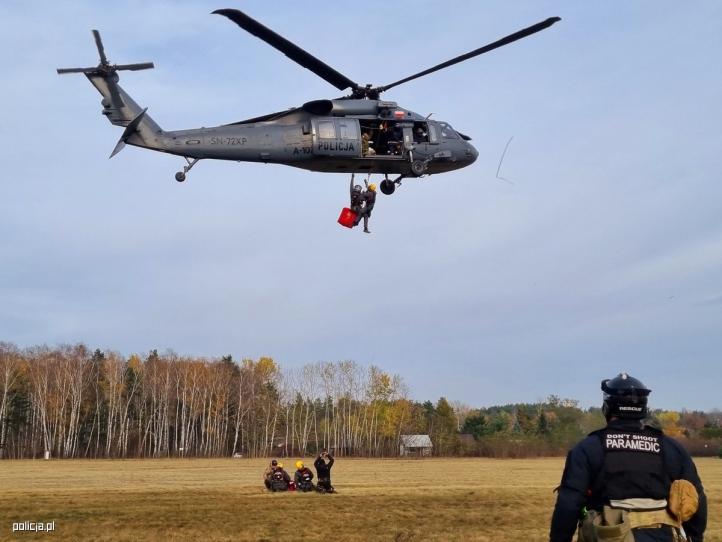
x=584, y=466
x=323, y=469
x=357, y=198
x=280, y=474
x=305, y=472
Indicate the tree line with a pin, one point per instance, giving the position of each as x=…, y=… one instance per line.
x=553, y=426
x=73, y=402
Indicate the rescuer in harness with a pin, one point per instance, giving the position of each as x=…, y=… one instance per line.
x=369, y=200
x=628, y=482
x=279, y=478
x=357, y=198
x=303, y=477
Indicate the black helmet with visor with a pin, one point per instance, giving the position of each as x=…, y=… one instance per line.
x=624, y=397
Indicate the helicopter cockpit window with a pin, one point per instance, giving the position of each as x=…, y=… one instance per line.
x=447, y=132
x=326, y=129
x=421, y=132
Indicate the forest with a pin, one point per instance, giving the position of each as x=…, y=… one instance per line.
x=75, y=402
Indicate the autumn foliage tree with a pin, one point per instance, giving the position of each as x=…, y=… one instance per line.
x=74, y=402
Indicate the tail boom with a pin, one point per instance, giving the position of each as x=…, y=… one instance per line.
x=140, y=129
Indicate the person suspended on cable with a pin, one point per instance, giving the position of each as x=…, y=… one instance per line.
x=369, y=199
x=357, y=199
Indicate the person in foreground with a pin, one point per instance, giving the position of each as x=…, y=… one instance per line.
x=628, y=482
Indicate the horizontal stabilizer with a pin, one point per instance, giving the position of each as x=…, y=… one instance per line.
x=129, y=131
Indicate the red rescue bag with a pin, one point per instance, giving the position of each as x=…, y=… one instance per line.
x=347, y=217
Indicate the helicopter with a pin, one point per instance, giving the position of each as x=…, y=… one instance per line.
x=356, y=133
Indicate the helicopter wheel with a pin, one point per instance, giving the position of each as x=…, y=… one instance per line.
x=388, y=187
x=418, y=167
x=180, y=176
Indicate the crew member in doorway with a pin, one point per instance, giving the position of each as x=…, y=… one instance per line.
x=369, y=199
x=383, y=138
x=396, y=138
x=366, y=148
x=629, y=481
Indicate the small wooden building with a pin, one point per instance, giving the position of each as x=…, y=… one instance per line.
x=415, y=445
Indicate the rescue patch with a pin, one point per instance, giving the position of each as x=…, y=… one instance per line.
x=633, y=442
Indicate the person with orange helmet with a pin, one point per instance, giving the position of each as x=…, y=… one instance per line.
x=303, y=477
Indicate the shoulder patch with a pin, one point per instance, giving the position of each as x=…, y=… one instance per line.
x=635, y=442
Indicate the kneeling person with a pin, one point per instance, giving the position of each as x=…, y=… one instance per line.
x=323, y=470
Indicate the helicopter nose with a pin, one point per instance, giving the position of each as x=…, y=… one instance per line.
x=471, y=153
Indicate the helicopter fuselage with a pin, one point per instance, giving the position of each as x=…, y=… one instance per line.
x=399, y=141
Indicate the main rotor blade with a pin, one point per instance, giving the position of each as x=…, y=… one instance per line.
x=292, y=51
x=476, y=52
x=99, y=45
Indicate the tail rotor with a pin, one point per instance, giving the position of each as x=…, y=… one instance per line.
x=105, y=68
x=118, y=107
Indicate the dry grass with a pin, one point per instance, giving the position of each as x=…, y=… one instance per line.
x=223, y=499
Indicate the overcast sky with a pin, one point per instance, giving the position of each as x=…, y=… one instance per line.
x=604, y=255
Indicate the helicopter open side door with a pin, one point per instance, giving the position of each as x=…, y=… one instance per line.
x=334, y=136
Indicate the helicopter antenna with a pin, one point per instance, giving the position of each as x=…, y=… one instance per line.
x=501, y=160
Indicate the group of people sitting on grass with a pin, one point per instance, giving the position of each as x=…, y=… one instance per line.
x=276, y=478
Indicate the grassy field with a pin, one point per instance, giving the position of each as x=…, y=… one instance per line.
x=224, y=499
